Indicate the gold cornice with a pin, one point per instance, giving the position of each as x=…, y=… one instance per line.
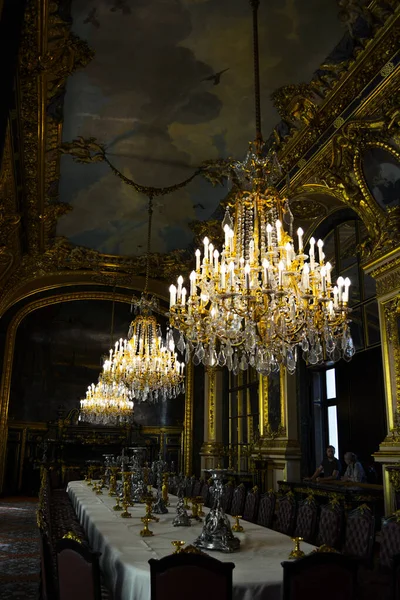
x=9, y=352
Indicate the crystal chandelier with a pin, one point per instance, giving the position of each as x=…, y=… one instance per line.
x=262, y=299
x=146, y=363
x=106, y=404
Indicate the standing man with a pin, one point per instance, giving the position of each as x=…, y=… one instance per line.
x=329, y=467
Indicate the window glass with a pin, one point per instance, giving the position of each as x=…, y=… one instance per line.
x=330, y=249
x=369, y=287
x=330, y=384
x=333, y=428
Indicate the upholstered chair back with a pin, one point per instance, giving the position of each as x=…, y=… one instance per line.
x=306, y=521
x=359, y=535
x=196, y=576
x=78, y=572
x=330, y=525
x=266, y=509
x=238, y=500
x=227, y=495
x=390, y=541
x=250, y=510
x=330, y=576
x=286, y=514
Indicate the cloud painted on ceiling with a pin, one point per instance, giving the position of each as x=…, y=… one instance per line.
x=154, y=94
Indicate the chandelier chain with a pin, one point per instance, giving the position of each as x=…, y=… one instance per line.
x=257, y=95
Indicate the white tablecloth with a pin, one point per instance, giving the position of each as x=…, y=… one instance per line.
x=124, y=554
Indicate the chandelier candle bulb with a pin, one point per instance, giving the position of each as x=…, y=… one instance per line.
x=192, y=278
x=180, y=282
x=251, y=251
x=312, y=254
x=278, y=225
x=265, y=265
x=183, y=297
x=320, y=245
x=231, y=274
x=172, y=295
x=300, y=233
x=226, y=231
x=210, y=252
x=223, y=273
x=346, y=290
x=306, y=277
x=198, y=255
x=340, y=283
x=231, y=236
x=216, y=266
x=328, y=273
x=205, y=242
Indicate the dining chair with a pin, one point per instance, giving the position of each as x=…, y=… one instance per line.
x=251, y=505
x=78, y=571
x=266, y=509
x=306, y=521
x=330, y=576
x=185, y=576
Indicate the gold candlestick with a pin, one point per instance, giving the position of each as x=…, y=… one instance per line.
x=149, y=514
x=186, y=505
x=125, y=514
x=117, y=506
x=145, y=532
x=164, y=489
x=178, y=544
x=237, y=527
x=200, y=504
x=113, y=485
x=296, y=552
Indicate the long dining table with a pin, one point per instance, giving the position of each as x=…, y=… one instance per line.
x=257, y=575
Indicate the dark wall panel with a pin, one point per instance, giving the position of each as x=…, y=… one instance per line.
x=361, y=404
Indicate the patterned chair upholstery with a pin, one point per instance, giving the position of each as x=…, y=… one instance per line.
x=359, y=536
x=238, y=500
x=189, y=484
x=286, y=514
x=197, y=487
x=329, y=576
x=330, y=525
x=390, y=541
x=306, y=521
x=250, y=510
x=187, y=575
x=266, y=509
x=227, y=495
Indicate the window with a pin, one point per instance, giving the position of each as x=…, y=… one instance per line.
x=243, y=417
x=325, y=412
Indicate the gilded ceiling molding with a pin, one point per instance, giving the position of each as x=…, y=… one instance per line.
x=309, y=109
x=10, y=346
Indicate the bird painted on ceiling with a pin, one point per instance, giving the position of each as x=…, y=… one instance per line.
x=122, y=6
x=199, y=205
x=91, y=18
x=216, y=77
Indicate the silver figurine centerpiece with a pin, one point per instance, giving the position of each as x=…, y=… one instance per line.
x=217, y=533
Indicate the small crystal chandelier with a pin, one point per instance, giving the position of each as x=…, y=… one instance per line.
x=145, y=363
x=106, y=404
x=262, y=299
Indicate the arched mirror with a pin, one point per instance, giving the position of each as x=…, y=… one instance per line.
x=381, y=169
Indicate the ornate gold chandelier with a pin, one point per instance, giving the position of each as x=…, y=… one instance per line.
x=146, y=363
x=106, y=404
x=262, y=299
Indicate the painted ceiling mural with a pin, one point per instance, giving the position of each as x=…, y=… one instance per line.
x=171, y=85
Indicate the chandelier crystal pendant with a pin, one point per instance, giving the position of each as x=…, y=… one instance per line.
x=262, y=299
x=106, y=404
